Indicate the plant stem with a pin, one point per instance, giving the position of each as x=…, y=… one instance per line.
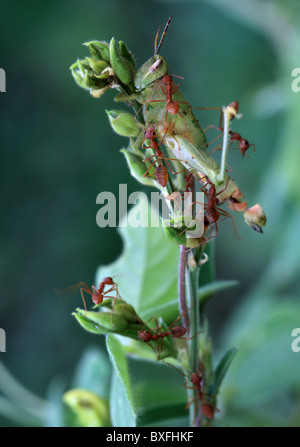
x=192, y=280
x=226, y=115
x=181, y=287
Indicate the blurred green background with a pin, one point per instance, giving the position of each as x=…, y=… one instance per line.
x=58, y=153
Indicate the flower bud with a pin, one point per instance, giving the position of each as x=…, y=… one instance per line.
x=85, y=77
x=79, y=75
x=175, y=230
x=123, y=123
x=101, y=322
x=99, y=68
x=99, y=50
x=138, y=167
x=120, y=307
x=89, y=409
x=96, y=93
x=127, y=55
x=120, y=64
x=255, y=217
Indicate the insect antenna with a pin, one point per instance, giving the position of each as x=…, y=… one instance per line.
x=157, y=48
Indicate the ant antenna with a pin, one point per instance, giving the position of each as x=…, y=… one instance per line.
x=157, y=48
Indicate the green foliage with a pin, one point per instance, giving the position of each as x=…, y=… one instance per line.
x=261, y=60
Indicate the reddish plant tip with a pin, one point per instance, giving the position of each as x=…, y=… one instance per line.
x=235, y=106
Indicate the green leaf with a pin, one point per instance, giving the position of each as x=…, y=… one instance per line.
x=266, y=369
x=221, y=370
x=146, y=271
x=205, y=292
x=123, y=413
x=93, y=372
x=165, y=416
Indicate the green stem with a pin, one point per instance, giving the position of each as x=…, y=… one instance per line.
x=192, y=280
x=222, y=173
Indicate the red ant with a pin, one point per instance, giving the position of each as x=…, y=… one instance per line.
x=98, y=295
x=213, y=212
x=166, y=82
x=161, y=172
x=172, y=331
x=243, y=143
x=172, y=107
x=207, y=408
x=234, y=136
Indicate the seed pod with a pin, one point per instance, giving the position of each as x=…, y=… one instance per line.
x=99, y=50
x=123, y=123
x=78, y=73
x=138, y=167
x=119, y=64
x=127, y=55
x=99, y=68
x=90, y=410
x=101, y=322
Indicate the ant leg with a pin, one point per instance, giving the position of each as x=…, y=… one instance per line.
x=146, y=159
x=222, y=190
x=226, y=214
x=82, y=296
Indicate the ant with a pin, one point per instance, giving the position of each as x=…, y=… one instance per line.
x=197, y=379
x=98, y=295
x=243, y=144
x=207, y=409
x=173, y=331
x=213, y=213
x=171, y=106
x=161, y=172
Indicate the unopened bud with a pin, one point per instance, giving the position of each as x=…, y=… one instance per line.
x=127, y=55
x=89, y=409
x=99, y=50
x=119, y=63
x=101, y=322
x=123, y=123
x=99, y=68
x=138, y=167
